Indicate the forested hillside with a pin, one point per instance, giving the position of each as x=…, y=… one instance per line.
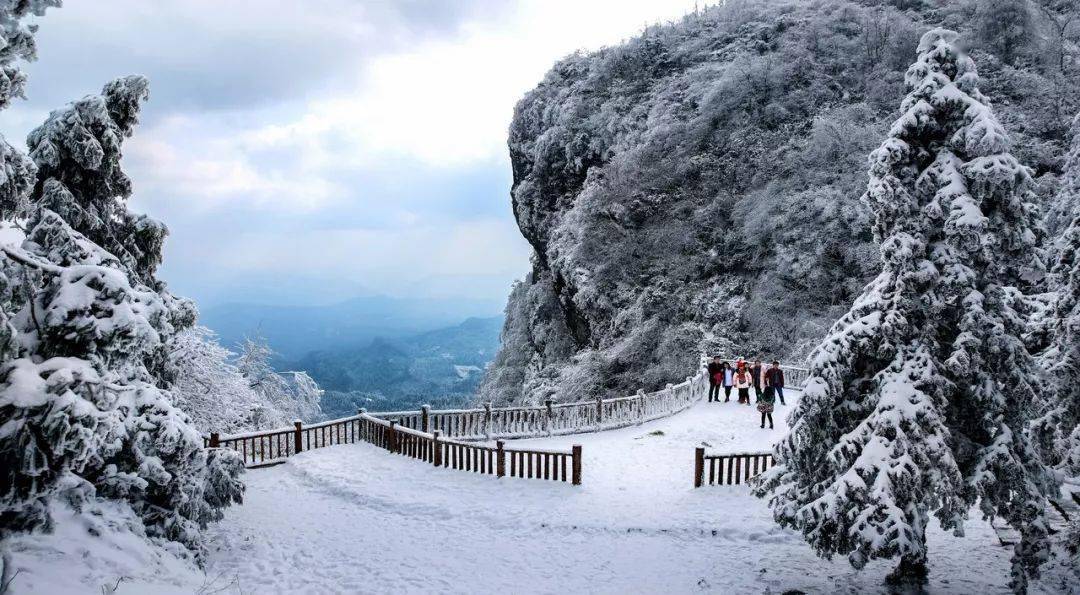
x=441, y=368
x=699, y=186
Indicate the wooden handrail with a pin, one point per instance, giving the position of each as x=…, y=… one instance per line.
x=453, y=426
x=729, y=469
x=467, y=456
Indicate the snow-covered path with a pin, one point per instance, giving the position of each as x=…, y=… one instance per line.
x=356, y=519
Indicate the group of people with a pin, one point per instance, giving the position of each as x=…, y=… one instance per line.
x=767, y=382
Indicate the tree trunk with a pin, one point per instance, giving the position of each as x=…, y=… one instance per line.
x=911, y=572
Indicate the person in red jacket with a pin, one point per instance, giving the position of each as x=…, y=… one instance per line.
x=774, y=377
x=743, y=382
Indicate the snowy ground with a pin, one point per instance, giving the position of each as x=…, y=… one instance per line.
x=355, y=519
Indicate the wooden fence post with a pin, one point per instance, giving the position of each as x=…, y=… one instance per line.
x=550, y=414
x=576, y=464
x=699, y=466
x=487, y=421
x=391, y=438
x=500, y=459
x=436, y=456
x=215, y=440
x=599, y=411
x=298, y=444
x=425, y=417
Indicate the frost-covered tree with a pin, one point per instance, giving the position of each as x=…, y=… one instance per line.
x=77, y=152
x=1066, y=204
x=293, y=393
x=85, y=346
x=16, y=45
x=1005, y=25
x=1060, y=426
x=79, y=177
x=1064, y=356
x=212, y=390
x=83, y=415
x=1053, y=327
x=918, y=398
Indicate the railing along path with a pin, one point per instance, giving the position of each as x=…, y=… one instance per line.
x=268, y=448
x=729, y=469
x=446, y=438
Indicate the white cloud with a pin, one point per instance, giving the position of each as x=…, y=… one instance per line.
x=444, y=103
x=268, y=118
x=448, y=102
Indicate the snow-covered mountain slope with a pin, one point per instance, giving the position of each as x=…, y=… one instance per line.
x=703, y=180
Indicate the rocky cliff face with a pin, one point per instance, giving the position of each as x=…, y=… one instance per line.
x=698, y=187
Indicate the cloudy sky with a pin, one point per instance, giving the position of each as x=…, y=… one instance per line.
x=307, y=152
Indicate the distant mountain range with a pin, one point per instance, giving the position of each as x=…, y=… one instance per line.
x=294, y=331
x=441, y=367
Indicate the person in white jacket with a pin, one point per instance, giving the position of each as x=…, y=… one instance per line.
x=727, y=379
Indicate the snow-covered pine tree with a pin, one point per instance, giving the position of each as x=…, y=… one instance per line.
x=16, y=45
x=1066, y=203
x=1063, y=448
x=1059, y=407
x=918, y=397
x=77, y=151
x=1066, y=351
x=83, y=375
x=1063, y=356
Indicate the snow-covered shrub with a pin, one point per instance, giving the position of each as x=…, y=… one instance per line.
x=919, y=397
x=85, y=358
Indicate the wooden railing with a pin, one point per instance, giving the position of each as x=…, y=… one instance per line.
x=551, y=418
x=730, y=469
x=477, y=458
x=271, y=448
x=487, y=423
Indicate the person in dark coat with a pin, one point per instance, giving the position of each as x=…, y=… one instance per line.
x=756, y=370
x=765, y=405
x=714, y=370
x=774, y=377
